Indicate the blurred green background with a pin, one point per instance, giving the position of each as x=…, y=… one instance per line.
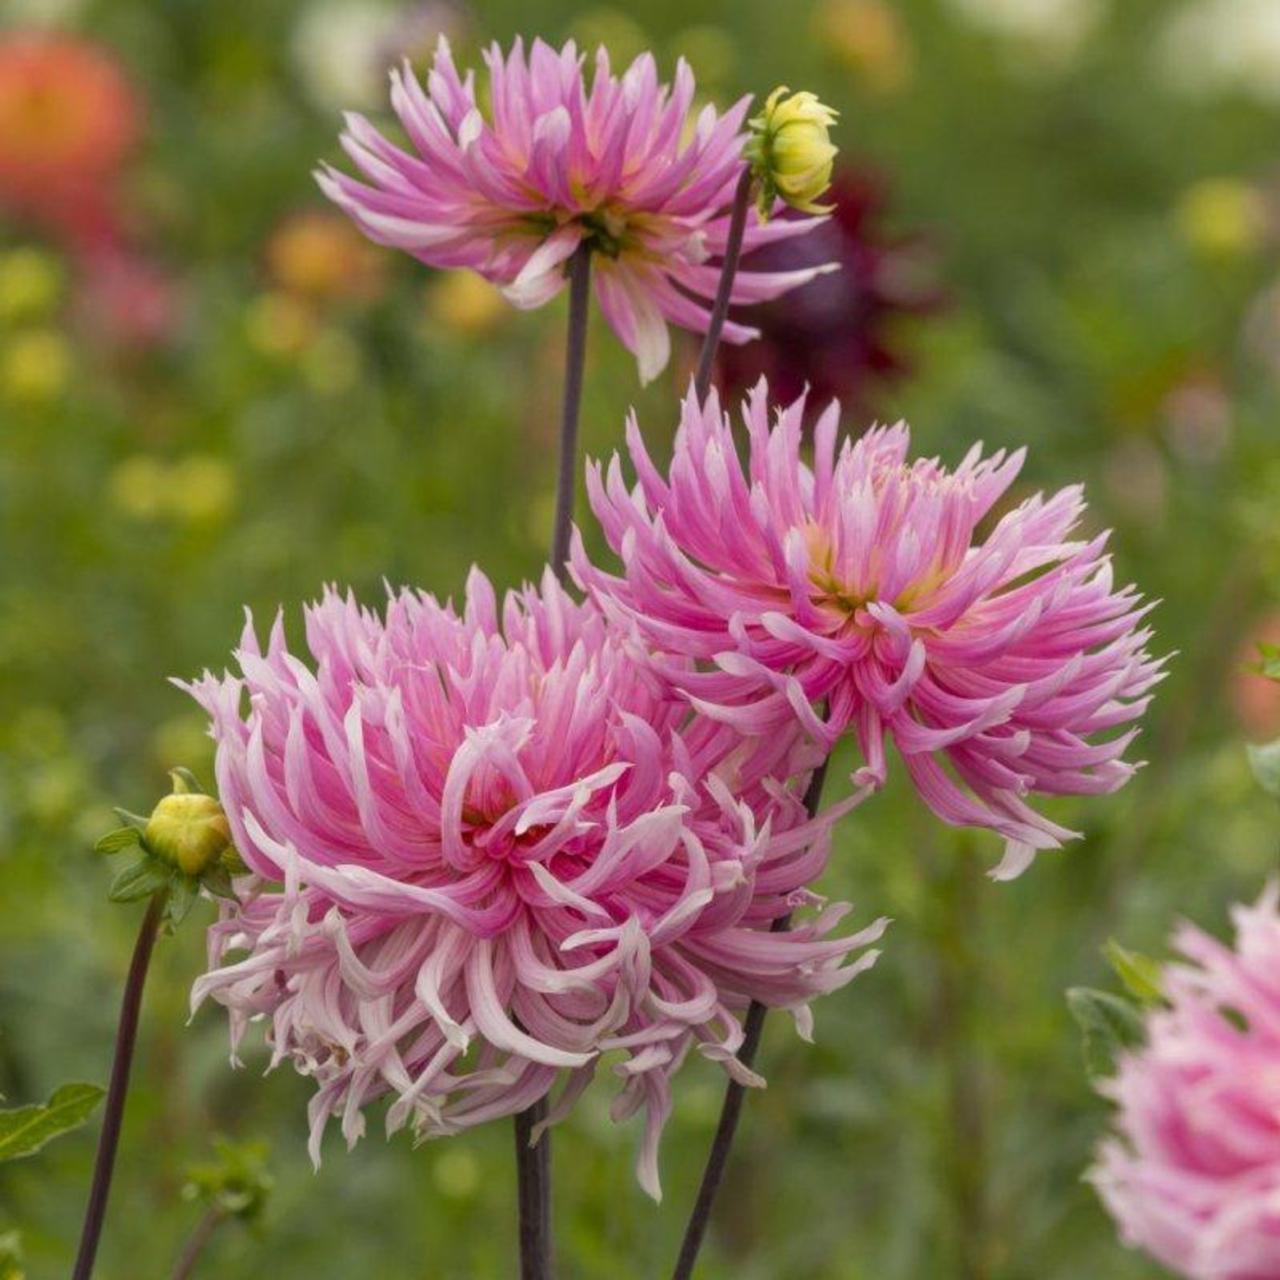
x=235, y=401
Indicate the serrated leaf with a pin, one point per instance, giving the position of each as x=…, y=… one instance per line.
x=1141, y=975
x=1110, y=1025
x=139, y=880
x=1265, y=762
x=24, y=1130
x=116, y=841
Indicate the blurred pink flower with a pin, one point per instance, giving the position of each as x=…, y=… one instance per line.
x=1194, y=1175
x=513, y=194
x=502, y=853
x=126, y=303
x=857, y=584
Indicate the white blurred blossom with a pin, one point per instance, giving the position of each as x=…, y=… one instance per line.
x=1212, y=45
x=1054, y=28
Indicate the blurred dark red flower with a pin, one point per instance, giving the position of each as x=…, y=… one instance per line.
x=841, y=334
x=69, y=118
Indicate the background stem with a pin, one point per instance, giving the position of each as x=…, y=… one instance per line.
x=126, y=1037
x=196, y=1242
x=729, y=269
x=731, y=1109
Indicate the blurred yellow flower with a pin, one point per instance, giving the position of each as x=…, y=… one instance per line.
x=197, y=489
x=32, y=282
x=35, y=365
x=869, y=38
x=456, y=1174
x=137, y=486
x=1222, y=217
x=465, y=303
x=320, y=255
x=279, y=325
x=200, y=489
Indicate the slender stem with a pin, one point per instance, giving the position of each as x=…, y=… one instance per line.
x=718, y=1157
x=533, y=1181
x=574, y=363
x=533, y=1160
x=126, y=1038
x=728, y=270
x=196, y=1242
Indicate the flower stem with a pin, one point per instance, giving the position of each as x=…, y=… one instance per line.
x=533, y=1181
x=731, y=1109
x=196, y=1242
x=126, y=1038
x=728, y=270
x=574, y=363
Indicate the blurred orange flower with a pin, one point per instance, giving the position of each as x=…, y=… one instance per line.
x=68, y=120
x=321, y=256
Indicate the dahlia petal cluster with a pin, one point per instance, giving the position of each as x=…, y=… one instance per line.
x=489, y=846
x=854, y=594
x=512, y=191
x=1193, y=1176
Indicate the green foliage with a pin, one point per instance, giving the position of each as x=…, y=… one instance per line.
x=11, y=1256
x=237, y=1183
x=26, y=1130
x=1265, y=762
x=1110, y=1024
x=1140, y=974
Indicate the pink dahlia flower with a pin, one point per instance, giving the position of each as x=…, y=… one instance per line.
x=853, y=593
x=552, y=164
x=487, y=852
x=1194, y=1175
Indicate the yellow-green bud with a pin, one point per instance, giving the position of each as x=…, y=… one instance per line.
x=790, y=151
x=188, y=830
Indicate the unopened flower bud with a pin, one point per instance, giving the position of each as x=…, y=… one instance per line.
x=791, y=152
x=188, y=830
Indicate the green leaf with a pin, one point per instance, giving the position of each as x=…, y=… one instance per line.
x=1265, y=761
x=24, y=1130
x=1110, y=1025
x=139, y=880
x=1141, y=975
x=116, y=841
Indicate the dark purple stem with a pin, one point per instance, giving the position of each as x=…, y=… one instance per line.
x=126, y=1038
x=574, y=364
x=731, y=1110
x=196, y=1242
x=728, y=271
x=533, y=1183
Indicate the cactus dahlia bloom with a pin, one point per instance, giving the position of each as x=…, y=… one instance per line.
x=512, y=191
x=857, y=585
x=1194, y=1175
x=489, y=851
